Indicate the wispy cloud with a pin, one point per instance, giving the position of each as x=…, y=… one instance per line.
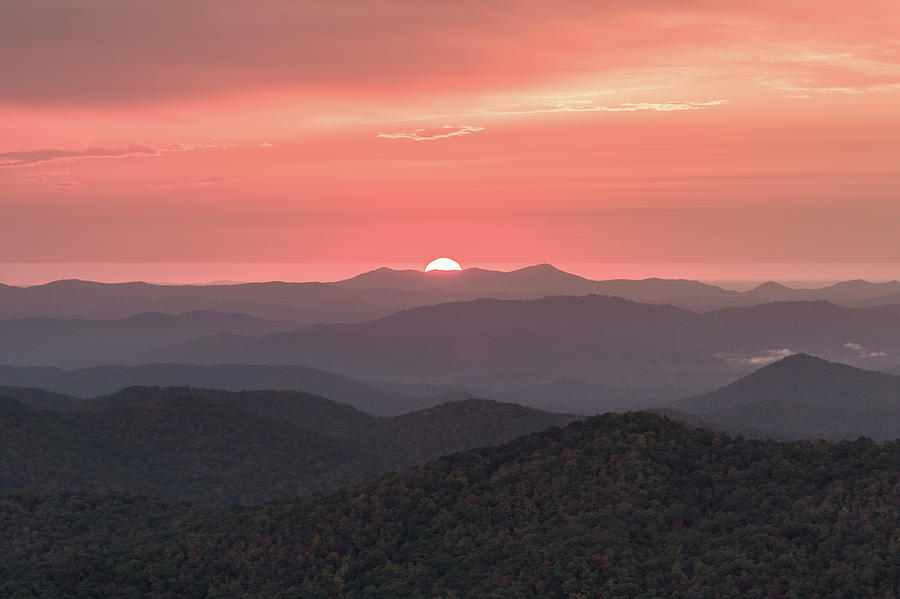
x=851, y=71
x=29, y=157
x=584, y=105
x=426, y=134
x=50, y=155
x=196, y=182
x=209, y=181
x=761, y=359
x=565, y=103
x=862, y=352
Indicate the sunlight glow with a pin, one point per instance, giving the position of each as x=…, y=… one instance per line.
x=443, y=264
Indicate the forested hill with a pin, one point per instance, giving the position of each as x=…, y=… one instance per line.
x=803, y=396
x=219, y=447
x=633, y=505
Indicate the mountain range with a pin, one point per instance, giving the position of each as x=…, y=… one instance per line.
x=383, y=291
x=583, y=354
x=611, y=353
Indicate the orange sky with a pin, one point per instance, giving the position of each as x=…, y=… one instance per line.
x=395, y=131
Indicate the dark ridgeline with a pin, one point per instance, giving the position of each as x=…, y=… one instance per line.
x=217, y=447
x=620, y=506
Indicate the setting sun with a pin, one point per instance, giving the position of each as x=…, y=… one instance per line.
x=443, y=264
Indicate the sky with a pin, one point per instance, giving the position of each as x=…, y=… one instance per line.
x=345, y=133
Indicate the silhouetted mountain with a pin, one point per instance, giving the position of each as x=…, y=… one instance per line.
x=219, y=447
x=51, y=342
x=384, y=291
x=846, y=292
x=541, y=279
x=533, y=282
x=803, y=396
x=101, y=380
x=771, y=291
x=618, y=506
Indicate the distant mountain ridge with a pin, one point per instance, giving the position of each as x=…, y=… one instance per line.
x=383, y=291
x=632, y=354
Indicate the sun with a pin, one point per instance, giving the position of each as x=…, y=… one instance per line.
x=443, y=264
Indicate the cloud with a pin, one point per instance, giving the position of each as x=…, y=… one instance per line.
x=565, y=105
x=64, y=52
x=571, y=103
x=209, y=181
x=850, y=71
x=48, y=155
x=863, y=353
x=30, y=157
x=196, y=182
x=761, y=359
x=426, y=134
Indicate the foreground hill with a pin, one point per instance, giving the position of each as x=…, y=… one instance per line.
x=617, y=506
x=217, y=447
x=804, y=396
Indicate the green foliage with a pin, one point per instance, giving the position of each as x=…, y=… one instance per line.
x=617, y=506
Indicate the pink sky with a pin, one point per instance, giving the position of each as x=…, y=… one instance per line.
x=395, y=131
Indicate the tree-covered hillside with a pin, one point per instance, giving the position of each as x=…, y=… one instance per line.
x=219, y=447
x=617, y=506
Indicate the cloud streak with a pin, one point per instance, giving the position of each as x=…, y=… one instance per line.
x=761, y=359
x=30, y=157
x=49, y=155
x=862, y=352
x=426, y=134
x=588, y=106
